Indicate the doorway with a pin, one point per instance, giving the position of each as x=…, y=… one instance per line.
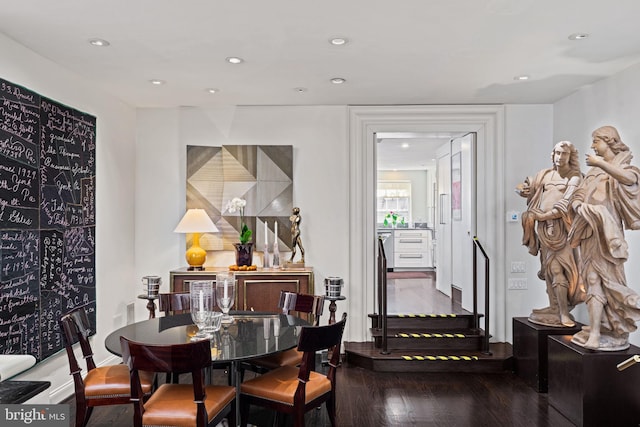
x=425, y=211
x=365, y=123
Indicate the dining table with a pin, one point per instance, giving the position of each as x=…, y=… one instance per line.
x=250, y=335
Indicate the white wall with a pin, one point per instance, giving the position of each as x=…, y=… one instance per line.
x=115, y=283
x=320, y=180
x=529, y=141
x=613, y=101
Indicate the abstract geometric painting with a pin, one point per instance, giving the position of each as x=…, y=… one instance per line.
x=260, y=174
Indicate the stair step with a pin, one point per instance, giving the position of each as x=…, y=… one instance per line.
x=367, y=356
x=434, y=320
x=467, y=343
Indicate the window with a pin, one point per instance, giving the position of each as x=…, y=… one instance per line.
x=394, y=196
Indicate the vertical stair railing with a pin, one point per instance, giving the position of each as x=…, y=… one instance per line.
x=382, y=295
x=477, y=245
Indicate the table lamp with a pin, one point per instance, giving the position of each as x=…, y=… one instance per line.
x=196, y=221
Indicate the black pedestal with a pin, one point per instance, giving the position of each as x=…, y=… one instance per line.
x=530, y=350
x=586, y=387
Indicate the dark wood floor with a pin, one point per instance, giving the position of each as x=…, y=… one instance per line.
x=368, y=399
x=413, y=399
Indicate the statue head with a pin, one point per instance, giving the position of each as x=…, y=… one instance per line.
x=567, y=146
x=610, y=136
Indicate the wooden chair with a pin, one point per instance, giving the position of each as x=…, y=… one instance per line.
x=183, y=405
x=174, y=302
x=104, y=385
x=290, y=302
x=297, y=390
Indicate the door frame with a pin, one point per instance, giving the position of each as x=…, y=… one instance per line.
x=364, y=122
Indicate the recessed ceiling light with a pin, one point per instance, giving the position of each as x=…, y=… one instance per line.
x=212, y=90
x=99, y=42
x=234, y=60
x=578, y=36
x=300, y=89
x=156, y=82
x=338, y=41
x=522, y=77
x=337, y=80
x=405, y=145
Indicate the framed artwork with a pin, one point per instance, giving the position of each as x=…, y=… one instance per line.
x=260, y=174
x=456, y=186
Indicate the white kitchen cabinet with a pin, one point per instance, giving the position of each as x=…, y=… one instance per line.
x=412, y=249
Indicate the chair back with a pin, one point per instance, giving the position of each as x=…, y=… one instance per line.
x=190, y=357
x=317, y=338
x=313, y=305
x=174, y=302
x=181, y=358
x=75, y=327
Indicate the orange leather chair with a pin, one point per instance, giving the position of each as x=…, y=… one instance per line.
x=180, y=405
x=297, y=390
x=104, y=385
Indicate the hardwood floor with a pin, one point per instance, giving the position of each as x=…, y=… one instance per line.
x=413, y=399
x=416, y=295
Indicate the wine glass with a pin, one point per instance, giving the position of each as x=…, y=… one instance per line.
x=201, y=305
x=225, y=294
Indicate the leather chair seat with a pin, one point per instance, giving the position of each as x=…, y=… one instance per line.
x=166, y=406
x=113, y=381
x=280, y=385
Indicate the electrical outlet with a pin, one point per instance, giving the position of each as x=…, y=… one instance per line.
x=517, y=284
x=518, y=267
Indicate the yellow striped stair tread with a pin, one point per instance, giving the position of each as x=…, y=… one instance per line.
x=441, y=358
x=413, y=335
x=427, y=315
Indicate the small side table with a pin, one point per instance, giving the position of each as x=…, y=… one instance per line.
x=333, y=307
x=151, y=305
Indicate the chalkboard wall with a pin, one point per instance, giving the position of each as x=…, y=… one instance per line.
x=47, y=219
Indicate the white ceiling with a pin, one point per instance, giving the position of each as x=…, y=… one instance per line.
x=400, y=52
x=397, y=151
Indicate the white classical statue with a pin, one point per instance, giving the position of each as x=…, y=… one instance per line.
x=546, y=224
x=606, y=203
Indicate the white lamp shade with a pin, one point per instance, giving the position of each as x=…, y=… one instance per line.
x=196, y=221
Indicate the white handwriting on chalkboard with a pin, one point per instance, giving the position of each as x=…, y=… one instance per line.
x=49, y=163
x=16, y=217
x=15, y=91
x=17, y=150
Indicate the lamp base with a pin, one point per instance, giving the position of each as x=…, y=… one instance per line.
x=196, y=268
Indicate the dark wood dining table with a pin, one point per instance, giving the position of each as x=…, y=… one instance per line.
x=251, y=335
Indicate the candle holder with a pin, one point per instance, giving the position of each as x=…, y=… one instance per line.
x=201, y=306
x=265, y=256
x=225, y=294
x=276, y=255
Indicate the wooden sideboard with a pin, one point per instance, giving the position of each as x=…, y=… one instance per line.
x=256, y=290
